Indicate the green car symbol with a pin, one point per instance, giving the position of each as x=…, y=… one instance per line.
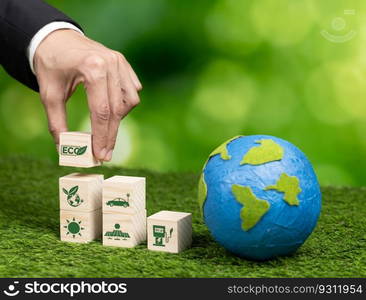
x=119, y=202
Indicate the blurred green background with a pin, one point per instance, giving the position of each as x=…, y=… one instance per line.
x=211, y=70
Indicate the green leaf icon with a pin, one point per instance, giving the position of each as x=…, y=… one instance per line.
x=65, y=191
x=73, y=191
x=81, y=150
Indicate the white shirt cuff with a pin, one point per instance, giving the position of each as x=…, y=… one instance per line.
x=42, y=33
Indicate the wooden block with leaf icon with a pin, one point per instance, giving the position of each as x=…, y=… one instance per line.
x=169, y=231
x=76, y=150
x=81, y=192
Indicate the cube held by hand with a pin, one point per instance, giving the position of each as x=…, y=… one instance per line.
x=76, y=150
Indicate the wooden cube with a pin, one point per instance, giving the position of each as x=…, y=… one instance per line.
x=80, y=227
x=76, y=150
x=169, y=231
x=124, y=230
x=124, y=194
x=81, y=192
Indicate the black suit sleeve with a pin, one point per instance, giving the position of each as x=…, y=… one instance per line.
x=20, y=20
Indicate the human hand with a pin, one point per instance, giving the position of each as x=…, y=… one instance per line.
x=65, y=59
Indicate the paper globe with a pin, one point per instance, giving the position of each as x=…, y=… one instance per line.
x=259, y=196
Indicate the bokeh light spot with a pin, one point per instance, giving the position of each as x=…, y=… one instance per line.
x=229, y=28
x=155, y=152
x=283, y=22
x=321, y=97
x=275, y=106
x=25, y=123
x=336, y=93
x=350, y=89
x=222, y=101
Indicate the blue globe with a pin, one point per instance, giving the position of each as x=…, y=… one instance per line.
x=259, y=196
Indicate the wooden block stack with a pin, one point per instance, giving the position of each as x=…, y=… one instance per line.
x=80, y=207
x=80, y=194
x=85, y=198
x=124, y=211
x=169, y=231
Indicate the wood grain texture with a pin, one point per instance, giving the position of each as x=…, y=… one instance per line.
x=184, y=233
x=88, y=195
x=80, y=227
x=76, y=150
x=124, y=194
x=169, y=231
x=124, y=230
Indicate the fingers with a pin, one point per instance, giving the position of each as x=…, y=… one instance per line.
x=130, y=92
x=134, y=77
x=123, y=98
x=111, y=87
x=97, y=92
x=117, y=106
x=53, y=100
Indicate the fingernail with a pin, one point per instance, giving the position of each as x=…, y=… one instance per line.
x=108, y=157
x=102, y=154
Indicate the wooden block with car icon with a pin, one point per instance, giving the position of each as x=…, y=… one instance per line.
x=124, y=194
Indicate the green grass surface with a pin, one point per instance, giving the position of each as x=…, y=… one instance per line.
x=30, y=245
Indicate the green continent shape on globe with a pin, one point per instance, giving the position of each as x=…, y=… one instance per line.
x=222, y=149
x=267, y=151
x=202, y=192
x=254, y=209
x=290, y=186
